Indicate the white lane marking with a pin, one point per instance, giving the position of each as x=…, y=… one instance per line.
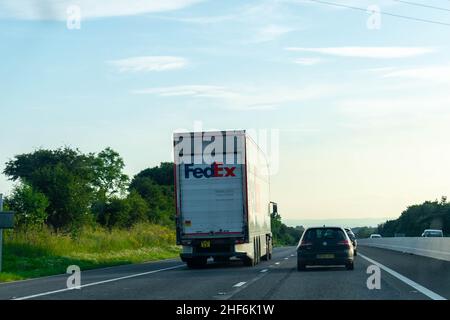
x=292, y=255
x=264, y=270
x=387, y=246
x=240, y=284
x=277, y=263
x=286, y=258
x=97, y=283
x=64, y=275
x=406, y=280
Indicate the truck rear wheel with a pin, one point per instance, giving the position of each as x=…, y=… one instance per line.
x=221, y=259
x=268, y=254
x=257, y=251
x=249, y=262
x=196, y=263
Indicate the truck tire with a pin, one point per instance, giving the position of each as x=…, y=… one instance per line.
x=270, y=248
x=268, y=254
x=249, y=262
x=221, y=259
x=258, y=252
x=196, y=263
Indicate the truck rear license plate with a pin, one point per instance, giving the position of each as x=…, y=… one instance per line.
x=205, y=244
x=325, y=256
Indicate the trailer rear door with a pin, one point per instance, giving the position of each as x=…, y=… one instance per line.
x=212, y=199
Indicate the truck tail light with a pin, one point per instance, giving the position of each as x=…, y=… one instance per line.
x=238, y=241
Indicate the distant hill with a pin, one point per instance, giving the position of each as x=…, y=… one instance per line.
x=349, y=222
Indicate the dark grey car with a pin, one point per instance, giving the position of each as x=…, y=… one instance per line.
x=352, y=237
x=325, y=246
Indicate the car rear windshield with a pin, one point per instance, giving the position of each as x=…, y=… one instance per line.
x=324, y=234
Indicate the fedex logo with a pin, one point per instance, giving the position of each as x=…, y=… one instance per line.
x=215, y=170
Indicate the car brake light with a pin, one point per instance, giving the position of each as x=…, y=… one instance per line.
x=305, y=244
x=344, y=243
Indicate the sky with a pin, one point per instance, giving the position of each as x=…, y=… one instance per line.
x=361, y=101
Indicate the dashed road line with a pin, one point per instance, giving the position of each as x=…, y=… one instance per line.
x=240, y=284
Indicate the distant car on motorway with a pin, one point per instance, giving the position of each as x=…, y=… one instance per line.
x=325, y=246
x=352, y=237
x=432, y=233
x=375, y=236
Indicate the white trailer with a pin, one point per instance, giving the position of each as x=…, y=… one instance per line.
x=222, y=193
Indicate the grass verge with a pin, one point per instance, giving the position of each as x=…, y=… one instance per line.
x=37, y=253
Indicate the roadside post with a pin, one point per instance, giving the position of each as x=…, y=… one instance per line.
x=6, y=222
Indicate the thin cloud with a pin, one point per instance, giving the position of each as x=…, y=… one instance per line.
x=202, y=91
x=367, y=52
x=394, y=110
x=428, y=73
x=198, y=19
x=149, y=63
x=57, y=10
x=308, y=61
x=246, y=97
x=272, y=32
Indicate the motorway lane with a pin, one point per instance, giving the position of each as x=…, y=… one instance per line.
x=434, y=274
x=325, y=283
x=12, y=290
x=276, y=279
x=179, y=284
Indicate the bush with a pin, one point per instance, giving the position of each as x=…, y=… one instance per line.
x=40, y=252
x=122, y=213
x=29, y=206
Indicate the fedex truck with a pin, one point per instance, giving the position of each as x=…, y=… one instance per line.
x=222, y=196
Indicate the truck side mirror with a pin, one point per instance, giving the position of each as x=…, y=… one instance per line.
x=274, y=208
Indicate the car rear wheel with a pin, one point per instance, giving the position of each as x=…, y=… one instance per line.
x=350, y=266
x=301, y=267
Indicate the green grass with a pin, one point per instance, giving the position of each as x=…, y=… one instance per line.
x=38, y=253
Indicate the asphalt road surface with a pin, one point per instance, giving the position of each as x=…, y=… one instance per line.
x=403, y=276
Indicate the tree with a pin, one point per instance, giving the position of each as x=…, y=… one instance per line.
x=364, y=232
x=29, y=206
x=155, y=186
x=283, y=234
x=72, y=181
x=417, y=218
x=162, y=175
x=64, y=176
x=124, y=213
x=109, y=178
